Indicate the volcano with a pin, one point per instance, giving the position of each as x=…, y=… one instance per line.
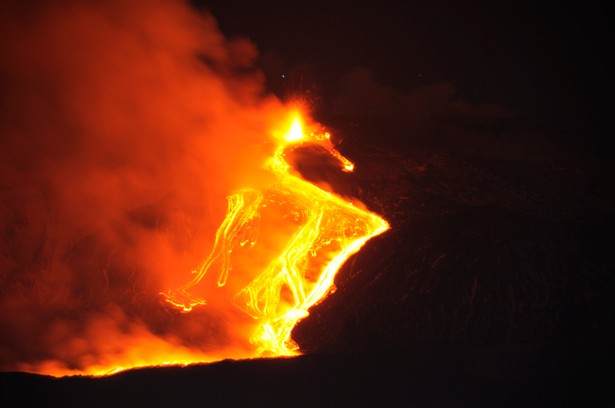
x=169, y=237
x=493, y=287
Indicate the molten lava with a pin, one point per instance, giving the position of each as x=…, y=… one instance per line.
x=127, y=124
x=315, y=231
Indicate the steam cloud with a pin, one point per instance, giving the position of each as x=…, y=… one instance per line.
x=124, y=124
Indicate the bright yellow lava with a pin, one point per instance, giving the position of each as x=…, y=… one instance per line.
x=295, y=133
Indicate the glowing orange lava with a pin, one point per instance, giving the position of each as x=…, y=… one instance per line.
x=275, y=255
x=314, y=230
x=137, y=139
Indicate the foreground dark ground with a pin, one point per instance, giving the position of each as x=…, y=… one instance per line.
x=493, y=288
x=562, y=373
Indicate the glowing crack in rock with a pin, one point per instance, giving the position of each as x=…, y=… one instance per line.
x=314, y=230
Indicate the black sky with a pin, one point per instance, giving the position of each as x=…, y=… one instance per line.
x=542, y=62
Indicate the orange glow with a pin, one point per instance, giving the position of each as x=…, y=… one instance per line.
x=151, y=214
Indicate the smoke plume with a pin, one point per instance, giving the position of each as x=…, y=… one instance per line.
x=124, y=125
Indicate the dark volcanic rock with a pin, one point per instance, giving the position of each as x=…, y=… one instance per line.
x=494, y=241
x=427, y=376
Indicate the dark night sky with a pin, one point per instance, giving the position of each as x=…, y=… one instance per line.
x=541, y=62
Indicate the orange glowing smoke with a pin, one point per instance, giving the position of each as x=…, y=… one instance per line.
x=135, y=139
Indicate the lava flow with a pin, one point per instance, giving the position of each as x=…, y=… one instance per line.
x=127, y=125
x=315, y=232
